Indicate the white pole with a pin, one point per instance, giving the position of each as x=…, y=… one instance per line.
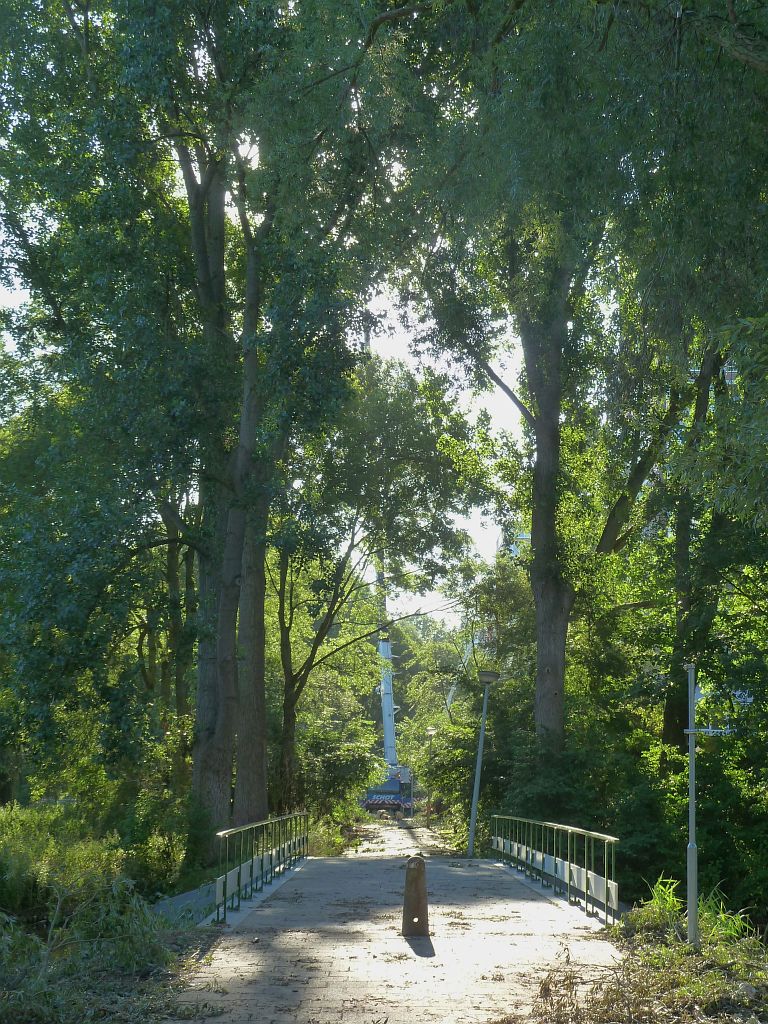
x=430, y=733
x=478, y=768
x=387, y=701
x=692, y=852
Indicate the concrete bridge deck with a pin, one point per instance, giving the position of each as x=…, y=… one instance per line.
x=325, y=948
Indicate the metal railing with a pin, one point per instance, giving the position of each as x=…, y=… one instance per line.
x=578, y=863
x=251, y=856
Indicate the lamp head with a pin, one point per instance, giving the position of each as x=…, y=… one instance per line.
x=487, y=676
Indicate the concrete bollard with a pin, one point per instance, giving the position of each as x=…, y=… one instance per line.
x=415, y=912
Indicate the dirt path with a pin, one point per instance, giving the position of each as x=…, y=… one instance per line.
x=397, y=839
x=326, y=947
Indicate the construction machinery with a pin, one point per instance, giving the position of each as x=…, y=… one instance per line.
x=395, y=794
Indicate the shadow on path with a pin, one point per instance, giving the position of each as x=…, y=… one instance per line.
x=327, y=948
x=421, y=945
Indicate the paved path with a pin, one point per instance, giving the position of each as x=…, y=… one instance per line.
x=326, y=948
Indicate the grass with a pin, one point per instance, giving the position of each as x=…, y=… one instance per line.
x=661, y=978
x=129, y=974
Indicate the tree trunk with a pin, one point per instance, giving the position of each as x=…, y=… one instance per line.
x=251, y=798
x=241, y=572
x=543, y=344
x=696, y=609
x=181, y=613
x=289, y=790
x=553, y=600
x=186, y=655
x=676, y=702
x=219, y=565
x=213, y=750
x=685, y=644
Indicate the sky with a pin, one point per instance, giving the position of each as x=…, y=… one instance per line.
x=393, y=343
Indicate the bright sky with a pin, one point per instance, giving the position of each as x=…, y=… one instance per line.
x=393, y=343
x=10, y=298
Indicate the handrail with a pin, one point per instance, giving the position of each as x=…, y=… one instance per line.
x=562, y=856
x=565, y=828
x=250, y=856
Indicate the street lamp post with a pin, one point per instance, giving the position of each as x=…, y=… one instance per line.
x=692, y=853
x=430, y=733
x=486, y=676
x=692, y=857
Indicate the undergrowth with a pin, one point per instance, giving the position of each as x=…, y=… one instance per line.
x=71, y=983
x=661, y=978
x=333, y=834
x=77, y=941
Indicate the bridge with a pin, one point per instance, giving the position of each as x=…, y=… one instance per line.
x=321, y=942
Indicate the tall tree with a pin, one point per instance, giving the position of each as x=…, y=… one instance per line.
x=199, y=125
x=379, y=488
x=535, y=190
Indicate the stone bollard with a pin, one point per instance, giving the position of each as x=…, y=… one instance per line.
x=415, y=915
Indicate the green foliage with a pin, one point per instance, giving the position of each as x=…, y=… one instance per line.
x=26, y=847
x=660, y=977
x=91, y=965
x=517, y=173
x=660, y=913
x=44, y=858
x=336, y=748
x=330, y=837
x=73, y=930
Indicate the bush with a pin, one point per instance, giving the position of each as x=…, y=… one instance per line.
x=661, y=915
x=85, y=968
x=72, y=926
x=26, y=848
x=330, y=836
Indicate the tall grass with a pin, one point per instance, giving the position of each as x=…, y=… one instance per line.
x=660, y=978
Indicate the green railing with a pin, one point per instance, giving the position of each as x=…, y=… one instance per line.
x=251, y=856
x=580, y=864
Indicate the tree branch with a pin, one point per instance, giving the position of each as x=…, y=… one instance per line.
x=380, y=627
x=522, y=408
x=619, y=513
x=36, y=276
x=508, y=24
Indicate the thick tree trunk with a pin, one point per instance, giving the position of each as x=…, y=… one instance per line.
x=213, y=749
x=251, y=797
x=241, y=573
x=552, y=594
x=553, y=600
x=543, y=345
x=219, y=564
x=223, y=742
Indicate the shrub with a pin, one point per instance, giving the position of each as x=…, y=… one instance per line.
x=80, y=929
